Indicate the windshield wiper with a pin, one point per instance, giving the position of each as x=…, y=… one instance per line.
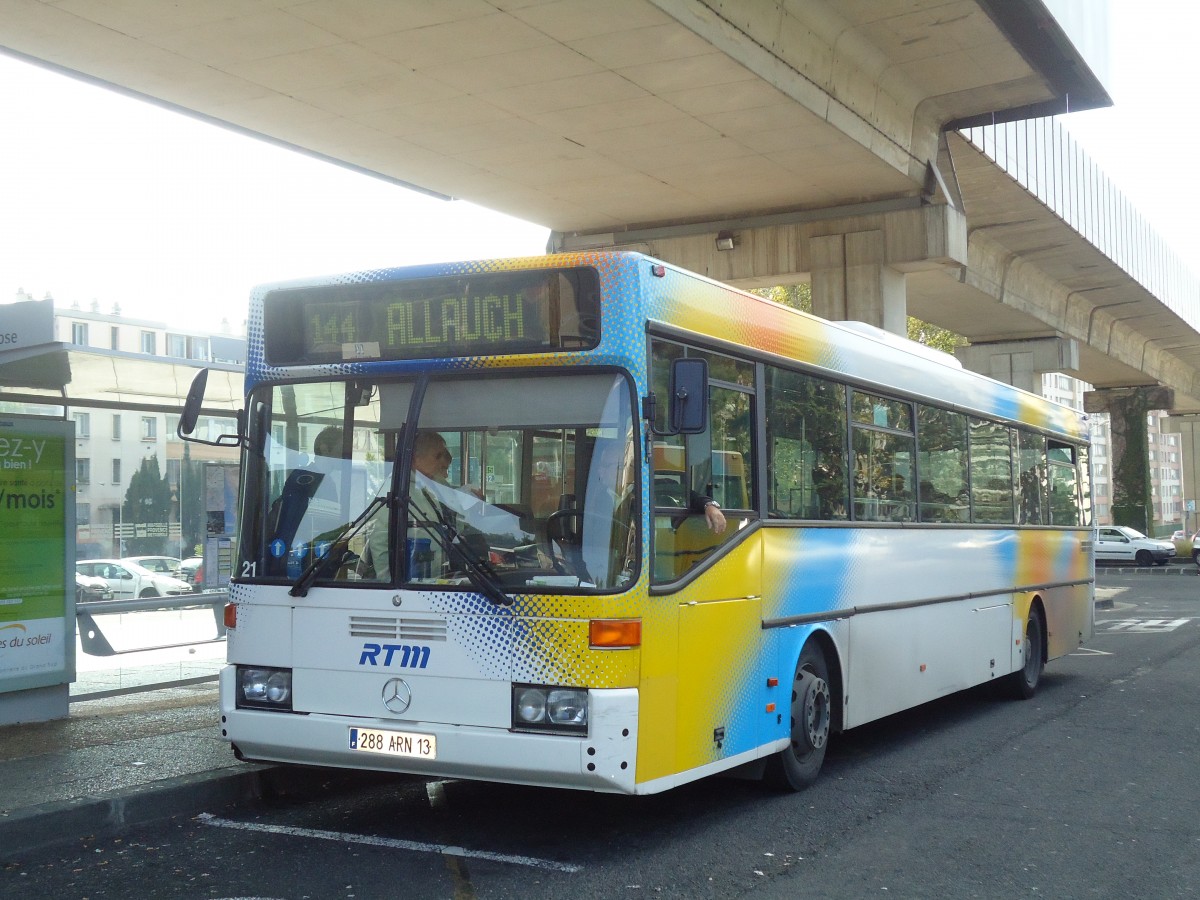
x=309, y=575
x=478, y=570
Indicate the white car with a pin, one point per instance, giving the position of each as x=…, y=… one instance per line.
x=87, y=588
x=164, y=565
x=129, y=580
x=1120, y=543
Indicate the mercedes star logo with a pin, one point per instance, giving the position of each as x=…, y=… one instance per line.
x=397, y=695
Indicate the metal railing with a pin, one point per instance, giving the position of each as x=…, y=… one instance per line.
x=93, y=641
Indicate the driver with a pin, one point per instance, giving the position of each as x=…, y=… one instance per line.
x=434, y=502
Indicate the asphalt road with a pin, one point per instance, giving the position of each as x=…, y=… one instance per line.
x=1088, y=790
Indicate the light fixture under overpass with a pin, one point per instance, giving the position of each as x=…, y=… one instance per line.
x=725, y=240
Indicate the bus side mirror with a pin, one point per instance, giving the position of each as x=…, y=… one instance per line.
x=687, y=410
x=689, y=396
x=191, y=406
x=191, y=415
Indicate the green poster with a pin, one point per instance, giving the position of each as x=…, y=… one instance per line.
x=35, y=502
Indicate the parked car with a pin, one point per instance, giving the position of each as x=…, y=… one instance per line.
x=166, y=565
x=191, y=570
x=1120, y=543
x=89, y=588
x=128, y=580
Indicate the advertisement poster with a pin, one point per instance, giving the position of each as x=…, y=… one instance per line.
x=37, y=624
x=220, y=497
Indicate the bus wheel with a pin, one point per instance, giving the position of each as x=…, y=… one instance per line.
x=1024, y=682
x=797, y=765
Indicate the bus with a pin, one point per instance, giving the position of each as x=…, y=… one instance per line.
x=477, y=537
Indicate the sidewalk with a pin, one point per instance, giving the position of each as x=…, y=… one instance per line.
x=127, y=752
x=142, y=743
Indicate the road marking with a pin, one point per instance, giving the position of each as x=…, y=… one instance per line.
x=1143, y=626
x=1088, y=651
x=391, y=843
x=459, y=873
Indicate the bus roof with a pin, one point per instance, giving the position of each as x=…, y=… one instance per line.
x=640, y=291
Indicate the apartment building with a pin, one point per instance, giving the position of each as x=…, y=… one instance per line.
x=112, y=443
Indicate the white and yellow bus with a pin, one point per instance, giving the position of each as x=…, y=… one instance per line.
x=500, y=564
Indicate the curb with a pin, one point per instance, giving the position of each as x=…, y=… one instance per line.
x=185, y=796
x=1188, y=570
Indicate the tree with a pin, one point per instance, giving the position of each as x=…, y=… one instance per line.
x=799, y=296
x=932, y=336
x=192, y=517
x=147, y=504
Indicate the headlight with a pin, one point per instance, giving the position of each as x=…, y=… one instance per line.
x=557, y=710
x=261, y=688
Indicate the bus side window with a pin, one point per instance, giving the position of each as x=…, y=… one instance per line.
x=943, y=491
x=716, y=464
x=1066, y=507
x=806, y=446
x=884, y=449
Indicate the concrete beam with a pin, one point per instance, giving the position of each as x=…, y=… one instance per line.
x=1021, y=363
x=774, y=250
x=852, y=281
x=1020, y=284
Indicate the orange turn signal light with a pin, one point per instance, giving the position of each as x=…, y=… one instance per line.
x=231, y=615
x=615, y=632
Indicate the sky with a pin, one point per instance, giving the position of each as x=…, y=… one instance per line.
x=115, y=200
x=1144, y=141
x=118, y=201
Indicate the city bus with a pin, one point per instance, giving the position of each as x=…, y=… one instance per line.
x=592, y=521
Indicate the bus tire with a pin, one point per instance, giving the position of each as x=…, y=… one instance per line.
x=797, y=765
x=1023, y=683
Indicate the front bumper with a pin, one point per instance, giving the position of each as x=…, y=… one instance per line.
x=605, y=760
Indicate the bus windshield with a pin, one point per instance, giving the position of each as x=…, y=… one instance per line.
x=531, y=494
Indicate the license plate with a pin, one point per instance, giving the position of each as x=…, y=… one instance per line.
x=393, y=743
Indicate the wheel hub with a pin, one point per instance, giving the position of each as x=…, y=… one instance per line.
x=813, y=708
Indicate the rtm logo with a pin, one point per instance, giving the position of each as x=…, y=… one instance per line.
x=411, y=657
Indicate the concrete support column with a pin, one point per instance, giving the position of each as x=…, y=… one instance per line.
x=1127, y=409
x=1021, y=363
x=851, y=281
x=1188, y=429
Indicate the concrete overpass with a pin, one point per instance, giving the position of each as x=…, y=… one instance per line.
x=819, y=140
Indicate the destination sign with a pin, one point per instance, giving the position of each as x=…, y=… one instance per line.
x=476, y=315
